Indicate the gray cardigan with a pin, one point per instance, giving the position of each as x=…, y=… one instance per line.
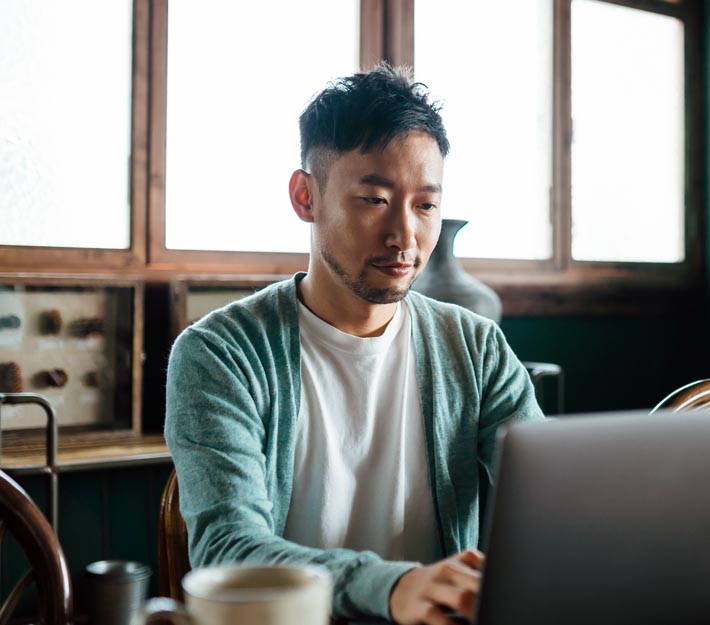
x=233, y=396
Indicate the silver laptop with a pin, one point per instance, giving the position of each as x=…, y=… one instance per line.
x=600, y=520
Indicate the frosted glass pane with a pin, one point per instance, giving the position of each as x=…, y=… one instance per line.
x=65, y=121
x=490, y=63
x=628, y=148
x=239, y=75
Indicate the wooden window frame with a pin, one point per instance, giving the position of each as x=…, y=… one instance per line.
x=690, y=270
x=387, y=32
x=561, y=272
x=372, y=39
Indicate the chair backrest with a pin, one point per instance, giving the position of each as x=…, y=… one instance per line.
x=688, y=397
x=173, y=558
x=23, y=520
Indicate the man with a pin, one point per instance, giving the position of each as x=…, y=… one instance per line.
x=336, y=417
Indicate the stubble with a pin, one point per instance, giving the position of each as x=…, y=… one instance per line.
x=360, y=287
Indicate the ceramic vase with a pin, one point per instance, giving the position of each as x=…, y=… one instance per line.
x=446, y=280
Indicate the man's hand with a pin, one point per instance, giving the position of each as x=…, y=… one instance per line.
x=428, y=594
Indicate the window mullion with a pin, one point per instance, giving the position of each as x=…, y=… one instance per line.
x=561, y=200
x=696, y=226
x=156, y=189
x=372, y=32
x=140, y=129
x=399, y=32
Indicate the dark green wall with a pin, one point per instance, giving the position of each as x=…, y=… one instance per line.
x=106, y=514
x=613, y=363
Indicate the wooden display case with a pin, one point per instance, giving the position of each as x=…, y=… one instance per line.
x=78, y=341
x=195, y=296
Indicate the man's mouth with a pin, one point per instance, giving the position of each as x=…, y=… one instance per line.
x=394, y=269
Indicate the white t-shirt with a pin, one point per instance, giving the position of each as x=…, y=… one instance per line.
x=360, y=473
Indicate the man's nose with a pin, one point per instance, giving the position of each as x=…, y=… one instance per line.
x=401, y=228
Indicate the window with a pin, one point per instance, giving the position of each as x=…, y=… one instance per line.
x=169, y=147
x=496, y=96
x=65, y=124
x=226, y=141
x=615, y=135
x=628, y=165
x=239, y=75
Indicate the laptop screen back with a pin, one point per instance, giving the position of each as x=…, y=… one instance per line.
x=600, y=520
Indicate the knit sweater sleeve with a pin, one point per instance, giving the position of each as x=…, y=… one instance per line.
x=222, y=427
x=507, y=393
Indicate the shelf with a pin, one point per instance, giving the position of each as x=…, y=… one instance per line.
x=138, y=451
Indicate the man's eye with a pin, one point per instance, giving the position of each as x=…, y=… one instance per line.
x=376, y=201
x=427, y=206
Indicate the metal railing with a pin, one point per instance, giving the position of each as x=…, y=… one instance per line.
x=50, y=467
x=538, y=371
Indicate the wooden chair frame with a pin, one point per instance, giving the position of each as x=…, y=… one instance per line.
x=20, y=517
x=173, y=558
x=689, y=397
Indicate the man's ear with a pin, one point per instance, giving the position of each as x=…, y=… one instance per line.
x=300, y=188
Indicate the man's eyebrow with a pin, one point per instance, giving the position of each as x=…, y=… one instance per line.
x=377, y=181
x=381, y=181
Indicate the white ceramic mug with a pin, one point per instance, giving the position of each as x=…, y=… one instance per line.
x=248, y=595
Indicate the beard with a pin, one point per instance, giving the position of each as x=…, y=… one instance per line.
x=360, y=287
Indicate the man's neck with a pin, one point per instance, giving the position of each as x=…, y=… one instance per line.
x=346, y=311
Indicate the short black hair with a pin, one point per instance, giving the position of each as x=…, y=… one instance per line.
x=366, y=111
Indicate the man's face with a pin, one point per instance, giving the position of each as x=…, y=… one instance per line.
x=379, y=218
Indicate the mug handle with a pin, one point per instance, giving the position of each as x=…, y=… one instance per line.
x=161, y=609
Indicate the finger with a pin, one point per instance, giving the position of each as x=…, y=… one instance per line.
x=461, y=601
x=472, y=558
x=434, y=615
x=456, y=574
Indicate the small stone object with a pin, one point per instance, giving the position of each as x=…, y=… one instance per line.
x=10, y=322
x=50, y=378
x=91, y=379
x=89, y=326
x=10, y=378
x=50, y=322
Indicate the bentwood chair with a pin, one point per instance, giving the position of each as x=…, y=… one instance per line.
x=173, y=559
x=689, y=397
x=23, y=520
